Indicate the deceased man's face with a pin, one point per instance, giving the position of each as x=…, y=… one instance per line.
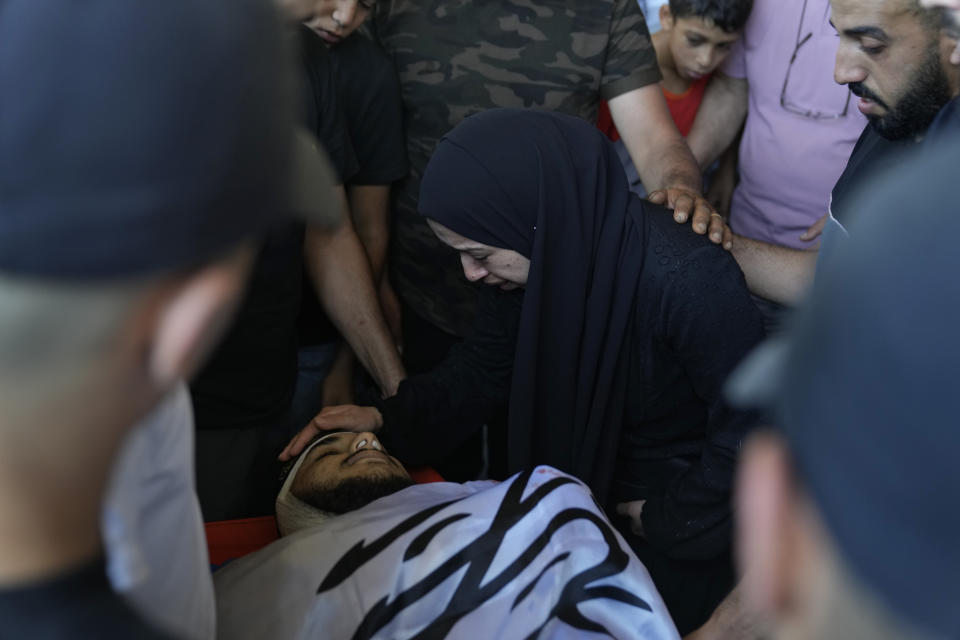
x=346, y=471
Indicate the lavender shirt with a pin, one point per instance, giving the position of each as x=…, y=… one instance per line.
x=788, y=162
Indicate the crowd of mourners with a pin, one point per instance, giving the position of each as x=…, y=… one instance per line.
x=661, y=297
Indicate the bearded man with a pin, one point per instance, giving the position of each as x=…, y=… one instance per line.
x=896, y=58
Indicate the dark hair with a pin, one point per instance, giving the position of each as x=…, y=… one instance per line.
x=935, y=18
x=729, y=15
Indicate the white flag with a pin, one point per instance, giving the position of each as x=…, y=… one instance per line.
x=532, y=557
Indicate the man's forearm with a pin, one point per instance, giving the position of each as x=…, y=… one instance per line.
x=658, y=151
x=340, y=271
x=718, y=121
x=776, y=273
x=369, y=208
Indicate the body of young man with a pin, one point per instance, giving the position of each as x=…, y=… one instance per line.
x=367, y=552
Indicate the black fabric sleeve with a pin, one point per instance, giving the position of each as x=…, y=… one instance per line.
x=369, y=92
x=710, y=323
x=873, y=155
x=322, y=110
x=434, y=413
x=78, y=604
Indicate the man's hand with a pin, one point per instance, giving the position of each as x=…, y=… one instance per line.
x=633, y=510
x=814, y=231
x=662, y=157
x=684, y=202
x=347, y=417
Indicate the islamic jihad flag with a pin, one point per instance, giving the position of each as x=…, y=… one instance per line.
x=532, y=557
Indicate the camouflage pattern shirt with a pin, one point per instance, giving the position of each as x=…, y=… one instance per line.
x=459, y=57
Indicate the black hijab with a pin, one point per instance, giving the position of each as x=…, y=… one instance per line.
x=552, y=188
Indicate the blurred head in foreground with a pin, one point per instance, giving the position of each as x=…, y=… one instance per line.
x=135, y=175
x=336, y=473
x=848, y=519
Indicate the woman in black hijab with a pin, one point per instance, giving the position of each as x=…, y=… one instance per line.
x=609, y=328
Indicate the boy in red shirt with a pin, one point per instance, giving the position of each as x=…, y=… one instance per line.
x=694, y=38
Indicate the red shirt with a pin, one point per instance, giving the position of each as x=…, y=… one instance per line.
x=683, y=109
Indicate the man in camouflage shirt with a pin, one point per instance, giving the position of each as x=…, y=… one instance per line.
x=456, y=58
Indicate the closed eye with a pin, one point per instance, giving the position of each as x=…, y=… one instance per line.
x=324, y=453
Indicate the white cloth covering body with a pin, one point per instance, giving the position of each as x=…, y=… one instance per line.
x=532, y=555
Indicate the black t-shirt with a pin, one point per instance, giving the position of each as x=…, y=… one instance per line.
x=78, y=605
x=250, y=378
x=871, y=156
x=369, y=93
x=322, y=107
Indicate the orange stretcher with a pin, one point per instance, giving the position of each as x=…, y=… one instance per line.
x=231, y=539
